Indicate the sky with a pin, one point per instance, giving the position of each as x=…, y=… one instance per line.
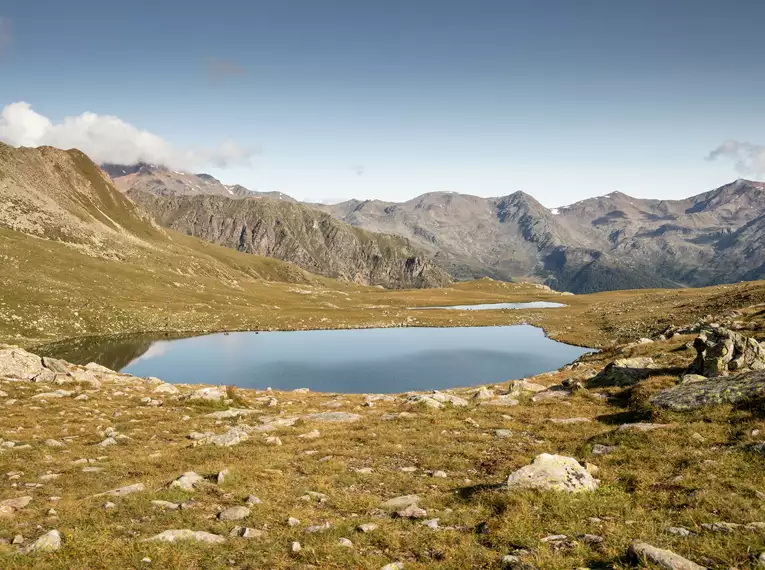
x=331, y=99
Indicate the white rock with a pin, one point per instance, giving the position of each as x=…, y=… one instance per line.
x=49, y=542
x=553, y=472
x=662, y=558
x=187, y=535
x=188, y=481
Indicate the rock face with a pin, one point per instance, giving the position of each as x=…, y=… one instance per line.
x=296, y=233
x=623, y=372
x=735, y=389
x=722, y=351
x=554, y=473
x=663, y=558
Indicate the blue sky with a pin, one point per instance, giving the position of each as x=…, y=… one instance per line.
x=393, y=98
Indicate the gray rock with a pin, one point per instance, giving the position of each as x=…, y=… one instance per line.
x=292, y=521
x=49, y=542
x=295, y=547
x=517, y=387
x=55, y=365
x=445, y=398
x=423, y=400
x=245, y=532
x=252, y=500
x=721, y=527
x=641, y=426
x=412, y=512
x=318, y=528
x=342, y=417
x=165, y=388
x=665, y=559
x=400, y=503
x=553, y=472
x=679, y=531
x=212, y=394
x=230, y=413
x=234, y=514
x=624, y=372
x=18, y=363
x=344, y=542
x=735, y=389
x=186, y=535
x=503, y=400
x=188, y=481
x=503, y=433
x=122, y=491
x=483, y=394
x=232, y=437
x=166, y=505
x=367, y=527
x=566, y=421
x=599, y=449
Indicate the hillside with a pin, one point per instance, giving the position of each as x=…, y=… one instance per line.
x=292, y=232
x=274, y=225
x=609, y=242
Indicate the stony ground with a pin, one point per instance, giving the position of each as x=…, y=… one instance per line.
x=305, y=480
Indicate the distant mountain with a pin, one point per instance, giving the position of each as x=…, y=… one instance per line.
x=162, y=181
x=275, y=225
x=609, y=242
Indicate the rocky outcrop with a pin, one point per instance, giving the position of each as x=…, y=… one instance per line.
x=722, y=351
x=736, y=389
x=623, y=372
x=292, y=232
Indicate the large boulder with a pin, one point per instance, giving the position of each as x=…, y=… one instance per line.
x=553, y=473
x=722, y=351
x=18, y=363
x=624, y=372
x=737, y=389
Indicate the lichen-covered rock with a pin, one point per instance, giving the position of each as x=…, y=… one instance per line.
x=342, y=417
x=736, y=389
x=49, y=542
x=553, y=473
x=722, y=351
x=624, y=372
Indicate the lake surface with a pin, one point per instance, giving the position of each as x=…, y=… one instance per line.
x=349, y=361
x=490, y=306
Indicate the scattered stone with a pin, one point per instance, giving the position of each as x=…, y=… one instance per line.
x=439, y=474
x=344, y=542
x=393, y=566
x=431, y=523
x=400, y=503
x=107, y=442
x=318, y=528
x=166, y=388
x=187, y=535
x=109, y=505
x=483, y=394
x=188, y=481
x=49, y=542
x=679, y=531
x=252, y=500
x=598, y=449
x=245, y=532
x=423, y=400
x=122, y=491
x=222, y=476
x=232, y=437
x=273, y=440
x=342, y=417
x=213, y=394
x=313, y=434
x=230, y=413
x=642, y=426
x=503, y=400
x=9, y=506
x=566, y=421
x=234, y=514
x=722, y=527
x=412, y=512
x=54, y=443
x=367, y=527
x=503, y=433
x=166, y=505
x=295, y=547
x=292, y=521
x=664, y=558
x=553, y=472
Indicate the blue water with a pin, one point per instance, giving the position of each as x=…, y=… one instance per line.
x=356, y=361
x=490, y=306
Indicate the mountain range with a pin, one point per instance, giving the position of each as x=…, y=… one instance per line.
x=604, y=243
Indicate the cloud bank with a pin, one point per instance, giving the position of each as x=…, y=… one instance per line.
x=748, y=158
x=109, y=139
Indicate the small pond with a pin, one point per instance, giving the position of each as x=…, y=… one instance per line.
x=349, y=361
x=490, y=306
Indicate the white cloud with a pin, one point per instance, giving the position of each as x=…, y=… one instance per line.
x=106, y=138
x=748, y=158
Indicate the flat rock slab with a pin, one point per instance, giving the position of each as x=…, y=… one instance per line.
x=188, y=481
x=399, y=503
x=49, y=542
x=736, y=389
x=663, y=558
x=553, y=473
x=230, y=413
x=234, y=514
x=186, y=535
x=342, y=417
x=122, y=491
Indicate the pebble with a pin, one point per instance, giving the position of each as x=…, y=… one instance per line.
x=295, y=547
x=367, y=527
x=292, y=521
